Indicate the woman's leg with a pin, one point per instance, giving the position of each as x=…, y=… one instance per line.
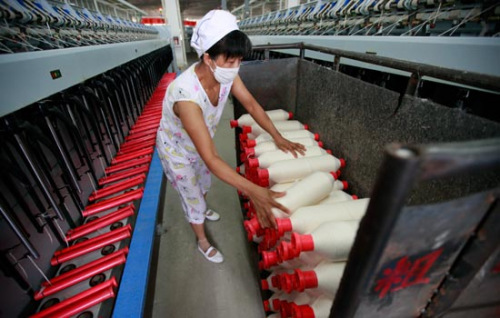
x=199, y=231
x=185, y=181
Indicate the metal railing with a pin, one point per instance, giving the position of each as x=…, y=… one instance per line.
x=417, y=70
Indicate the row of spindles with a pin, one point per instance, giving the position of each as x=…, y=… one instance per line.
x=302, y=260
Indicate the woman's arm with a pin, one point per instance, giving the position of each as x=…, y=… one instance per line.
x=191, y=117
x=241, y=93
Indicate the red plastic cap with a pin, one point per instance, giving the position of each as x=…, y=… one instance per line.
x=287, y=251
x=306, y=127
x=251, y=143
x=263, y=174
x=264, y=284
x=264, y=183
x=290, y=115
x=247, y=129
x=316, y=136
x=342, y=162
x=266, y=305
x=305, y=280
x=354, y=197
x=252, y=226
x=339, y=172
x=303, y=242
x=249, y=152
x=302, y=311
x=270, y=237
x=243, y=137
x=233, y=123
x=345, y=184
x=328, y=151
x=253, y=162
x=285, y=309
x=320, y=144
x=276, y=304
x=286, y=282
x=334, y=175
x=269, y=259
x=275, y=281
x=283, y=225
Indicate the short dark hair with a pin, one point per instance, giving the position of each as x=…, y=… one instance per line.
x=234, y=44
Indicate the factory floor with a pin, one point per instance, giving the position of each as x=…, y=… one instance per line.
x=189, y=286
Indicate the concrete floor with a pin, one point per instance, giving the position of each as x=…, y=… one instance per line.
x=187, y=285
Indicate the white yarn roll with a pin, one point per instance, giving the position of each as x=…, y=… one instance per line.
x=289, y=170
x=280, y=187
x=280, y=125
x=266, y=159
x=329, y=276
x=306, y=219
x=286, y=134
x=322, y=306
x=307, y=191
x=338, y=185
x=336, y=196
x=334, y=239
x=271, y=146
x=274, y=115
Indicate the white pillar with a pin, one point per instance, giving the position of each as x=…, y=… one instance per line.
x=173, y=19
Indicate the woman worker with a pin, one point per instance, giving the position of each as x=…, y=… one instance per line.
x=192, y=108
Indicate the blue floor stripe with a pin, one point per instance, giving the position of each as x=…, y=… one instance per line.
x=131, y=297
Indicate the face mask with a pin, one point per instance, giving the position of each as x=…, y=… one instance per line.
x=224, y=75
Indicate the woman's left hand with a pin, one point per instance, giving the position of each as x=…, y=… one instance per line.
x=289, y=146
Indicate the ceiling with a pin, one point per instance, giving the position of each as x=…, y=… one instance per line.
x=195, y=9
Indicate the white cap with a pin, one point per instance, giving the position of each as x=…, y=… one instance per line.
x=215, y=25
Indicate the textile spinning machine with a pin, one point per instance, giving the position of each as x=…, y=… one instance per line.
x=81, y=90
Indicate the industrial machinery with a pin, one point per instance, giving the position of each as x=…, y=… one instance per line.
x=78, y=82
x=81, y=87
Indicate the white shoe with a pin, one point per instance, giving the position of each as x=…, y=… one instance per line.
x=211, y=215
x=216, y=258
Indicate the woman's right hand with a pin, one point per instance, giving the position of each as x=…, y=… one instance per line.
x=263, y=201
